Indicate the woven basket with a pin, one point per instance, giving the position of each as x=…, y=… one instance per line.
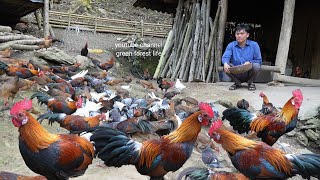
x=240, y=69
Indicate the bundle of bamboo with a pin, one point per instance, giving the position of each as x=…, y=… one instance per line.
x=193, y=48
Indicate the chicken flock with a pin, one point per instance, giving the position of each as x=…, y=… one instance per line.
x=102, y=116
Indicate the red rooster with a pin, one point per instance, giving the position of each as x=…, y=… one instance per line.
x=73, y=123
x=258, y=160
x=18, y=71
x=153, y=158
x=51, y=155
x=269, y=127
x=56, y=105
x=105, y=66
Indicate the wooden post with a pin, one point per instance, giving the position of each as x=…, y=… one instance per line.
x=221, y=31
x=95, y=24
x=285, y=35
x=142, y=28
x=37, y=14
x=46, y=19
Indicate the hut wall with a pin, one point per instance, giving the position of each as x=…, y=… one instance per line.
x=305, y=42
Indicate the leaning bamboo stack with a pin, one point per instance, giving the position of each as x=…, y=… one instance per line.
x=191, y=52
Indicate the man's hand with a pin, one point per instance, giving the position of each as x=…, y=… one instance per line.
x=226, y=67
x=247, y=62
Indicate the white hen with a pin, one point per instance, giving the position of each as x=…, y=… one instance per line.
x=80, y=74
x=89, y=107
x=179, y=86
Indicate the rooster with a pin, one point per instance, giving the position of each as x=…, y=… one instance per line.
x=56, y=105
x=105, y=66
x=268, y=127
x=73, y=123
x=84, y=50
x=258, y=160
x=267, y=107
x=51, y=155
x=163, y=84
x=18, y=71
x=195, y=173
x=154, y=158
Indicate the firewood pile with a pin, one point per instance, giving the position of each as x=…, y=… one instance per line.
x=18, y=41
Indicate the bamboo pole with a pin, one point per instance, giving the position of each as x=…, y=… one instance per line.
x=285, y=35
x=195, y=45
x=212, y=43
x=37, y=15
x=168, y=44
x=46, y=19
x=221, y=31
x=207, y=29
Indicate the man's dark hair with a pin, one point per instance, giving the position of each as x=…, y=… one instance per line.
x=242, y=26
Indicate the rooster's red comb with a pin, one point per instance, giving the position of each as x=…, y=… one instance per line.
x=25, y=104
x=207, y=108
x=261, y=94
x=297, y=94
x=214, y=126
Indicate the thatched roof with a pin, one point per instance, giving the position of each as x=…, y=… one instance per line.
x=12, y=10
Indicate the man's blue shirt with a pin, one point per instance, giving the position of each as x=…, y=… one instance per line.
x=237, y=55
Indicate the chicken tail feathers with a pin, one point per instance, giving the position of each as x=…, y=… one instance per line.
x=239, y=119
x=114, y=147
x=306, y=165
x=194, y=173
x=145, y=126
x=3, y=66
x=42, y=98
x=55, y=117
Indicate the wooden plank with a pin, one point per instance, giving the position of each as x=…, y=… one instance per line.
x=296, y=80
x=285, y=35
x=263, y=67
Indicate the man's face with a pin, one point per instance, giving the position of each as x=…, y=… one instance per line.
x=241, y=36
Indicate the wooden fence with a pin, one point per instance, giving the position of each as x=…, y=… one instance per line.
x=98, y=24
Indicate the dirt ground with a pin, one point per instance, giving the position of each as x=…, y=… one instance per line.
x=11, y=160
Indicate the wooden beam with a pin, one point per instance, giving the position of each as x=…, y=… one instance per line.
x=285, y=35
x=263, y=67
x=46, y=18
x=221, y=31
x=296, y=80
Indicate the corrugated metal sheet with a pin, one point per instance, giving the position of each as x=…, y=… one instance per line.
x=165, y=6
x=12, y=10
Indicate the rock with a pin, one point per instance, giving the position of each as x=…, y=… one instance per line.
x=292, y=133
x=102, y=11
x=55, y=55
x=304, y=151
x=84, y=61
x=225, y=103
x=313, y=136
x=302, y=138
